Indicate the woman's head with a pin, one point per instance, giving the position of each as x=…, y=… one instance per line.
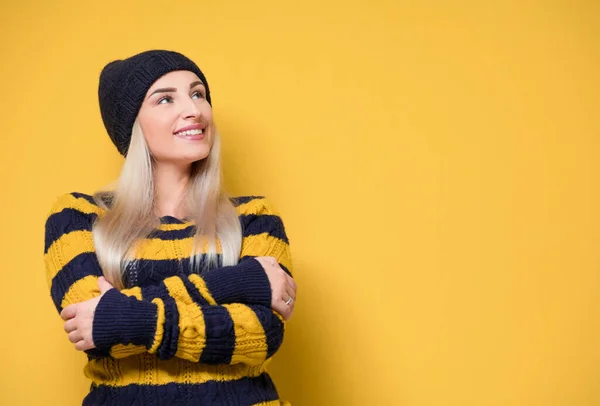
x=126, y=84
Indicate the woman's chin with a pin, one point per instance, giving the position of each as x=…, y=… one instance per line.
x=193, y=156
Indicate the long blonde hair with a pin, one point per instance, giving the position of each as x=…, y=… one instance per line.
x=129, y=205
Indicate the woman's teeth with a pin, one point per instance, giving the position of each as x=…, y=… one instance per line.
x=190, y=132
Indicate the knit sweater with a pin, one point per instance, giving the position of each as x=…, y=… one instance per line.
x=172, y=336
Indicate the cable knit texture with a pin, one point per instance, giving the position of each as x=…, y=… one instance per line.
x=171, y=336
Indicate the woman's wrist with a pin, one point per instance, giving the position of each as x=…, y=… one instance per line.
x=245, y=283
x=121, y=319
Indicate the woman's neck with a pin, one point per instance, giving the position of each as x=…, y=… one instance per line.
x=170, y=186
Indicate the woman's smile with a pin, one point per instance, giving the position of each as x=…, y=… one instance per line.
x=191, y=134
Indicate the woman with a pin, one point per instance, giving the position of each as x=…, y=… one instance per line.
x=178, y=293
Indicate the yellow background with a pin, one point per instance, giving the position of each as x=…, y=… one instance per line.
x=435, y=163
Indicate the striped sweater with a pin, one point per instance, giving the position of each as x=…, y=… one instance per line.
x=171, y=336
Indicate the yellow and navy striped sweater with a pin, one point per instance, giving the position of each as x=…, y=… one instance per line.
x=173, y=337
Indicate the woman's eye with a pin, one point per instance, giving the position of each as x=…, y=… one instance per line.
x=199, y=94
x=165, y=98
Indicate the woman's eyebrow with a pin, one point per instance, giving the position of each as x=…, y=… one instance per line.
x=196, y=83
x=172, y=89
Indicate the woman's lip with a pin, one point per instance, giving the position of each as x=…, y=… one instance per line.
x=191, y=137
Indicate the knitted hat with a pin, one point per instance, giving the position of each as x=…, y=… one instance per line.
x=125, y=82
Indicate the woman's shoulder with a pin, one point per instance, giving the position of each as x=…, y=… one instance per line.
x=74, y=203
x=254, y=205
x=70, y=212
x=261, y=221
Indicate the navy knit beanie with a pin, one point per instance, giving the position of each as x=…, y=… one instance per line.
x=125, y=82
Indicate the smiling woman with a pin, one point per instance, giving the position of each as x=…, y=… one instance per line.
x=178, y=293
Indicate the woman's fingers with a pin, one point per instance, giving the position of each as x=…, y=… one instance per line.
x=290, y=293
x=75, y=336
x=291, y=282
x=69, y=312
x=82, y=345
x=288, y=303
x=283, y=305
x=285, y=310
x=70, y=325
x=283, y=287
x=288, y=278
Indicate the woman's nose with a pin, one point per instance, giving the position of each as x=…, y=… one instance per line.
x=190, y=109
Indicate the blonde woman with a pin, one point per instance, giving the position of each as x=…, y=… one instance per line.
x=177, y=293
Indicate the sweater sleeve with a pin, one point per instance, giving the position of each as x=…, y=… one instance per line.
x=186, y=317
x=175, y=325
x=175, y=321
x=72, y=267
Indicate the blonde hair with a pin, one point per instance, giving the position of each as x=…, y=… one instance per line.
x=129, y=217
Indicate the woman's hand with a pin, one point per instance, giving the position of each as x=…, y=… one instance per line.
x=80, y=318
x=283, y=287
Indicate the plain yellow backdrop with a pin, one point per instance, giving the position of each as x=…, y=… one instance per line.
x=435, y=163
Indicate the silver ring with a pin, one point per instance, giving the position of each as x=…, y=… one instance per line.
x=289, y=301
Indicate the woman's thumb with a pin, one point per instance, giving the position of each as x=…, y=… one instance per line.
x=104, y=285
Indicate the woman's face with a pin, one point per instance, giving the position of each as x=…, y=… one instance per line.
x=175, y=103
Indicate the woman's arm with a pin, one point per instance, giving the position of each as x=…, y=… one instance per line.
x=175, y=325
x=223, y=332
x=72, y=267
